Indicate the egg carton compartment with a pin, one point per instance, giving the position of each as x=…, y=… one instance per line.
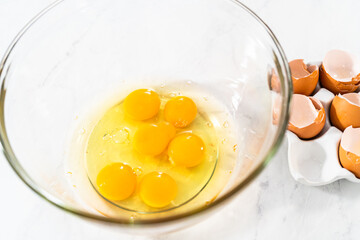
x=316, y=162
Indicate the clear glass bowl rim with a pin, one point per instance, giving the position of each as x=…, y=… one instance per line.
x=286, y=91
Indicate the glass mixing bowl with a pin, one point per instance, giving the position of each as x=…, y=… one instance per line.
x=76, y=54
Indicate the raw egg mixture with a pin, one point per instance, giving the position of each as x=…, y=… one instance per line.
x=151, y=153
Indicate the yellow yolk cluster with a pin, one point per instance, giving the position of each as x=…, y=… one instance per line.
x=118, y=181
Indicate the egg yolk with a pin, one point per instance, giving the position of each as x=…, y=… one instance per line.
x=170, y=129
x=157, y=189
x=152, y=139
x=186, y=150
x=180, y=111
x=142, y=104
x=116, y=181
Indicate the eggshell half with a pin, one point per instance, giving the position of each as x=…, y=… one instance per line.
x=307, y=117
x=340, y=72
x=304, y=78
x=345, y=111
x=349, y=150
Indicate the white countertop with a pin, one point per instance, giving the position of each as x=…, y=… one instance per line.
x=272, y=207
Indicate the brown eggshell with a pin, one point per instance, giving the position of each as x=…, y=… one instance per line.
x=316, y=121
x=345, y=111
x=340, y=72
x=349, y=150
x=335, y=86
x=304, y=78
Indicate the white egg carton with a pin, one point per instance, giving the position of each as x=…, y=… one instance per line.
x=315, y=162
